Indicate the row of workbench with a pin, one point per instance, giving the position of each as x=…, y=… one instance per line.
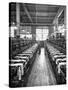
x=58, y=62
x=20, y=65
x=59, y=44
x=17, y=45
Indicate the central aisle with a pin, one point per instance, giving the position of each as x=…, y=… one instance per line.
x=41, y=73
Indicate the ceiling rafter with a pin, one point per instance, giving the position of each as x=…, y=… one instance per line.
x=28, y=14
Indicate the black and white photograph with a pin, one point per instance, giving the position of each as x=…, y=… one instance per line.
x=37, y=44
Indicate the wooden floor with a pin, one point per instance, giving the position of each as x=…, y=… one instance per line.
x=41, y=74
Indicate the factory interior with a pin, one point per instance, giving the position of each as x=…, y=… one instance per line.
x=37, y=44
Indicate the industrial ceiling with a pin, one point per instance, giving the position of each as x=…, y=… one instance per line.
x=34, y=14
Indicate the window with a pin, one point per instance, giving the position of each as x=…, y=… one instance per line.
x=41, y=34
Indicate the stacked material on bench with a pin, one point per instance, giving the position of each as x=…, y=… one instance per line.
x=59, y=59
x=32, y=49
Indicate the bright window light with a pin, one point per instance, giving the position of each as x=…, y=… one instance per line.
x=41, y=34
